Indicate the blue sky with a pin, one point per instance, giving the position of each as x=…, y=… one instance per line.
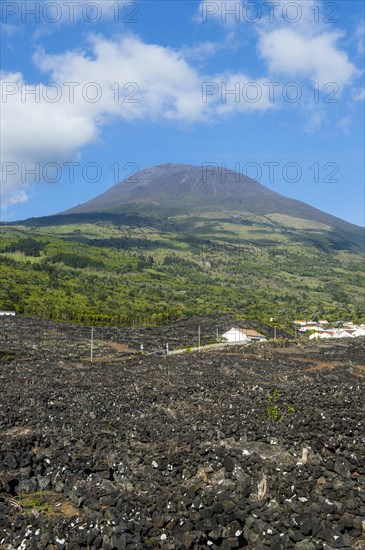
x=92, y=91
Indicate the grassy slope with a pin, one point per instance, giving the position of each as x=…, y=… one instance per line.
x=107, y=272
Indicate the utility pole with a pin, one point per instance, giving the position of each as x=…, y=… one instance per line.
x=199, y=338
x=275, y=332
x=92, y=344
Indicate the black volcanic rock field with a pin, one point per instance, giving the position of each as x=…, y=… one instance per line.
x=186, y=451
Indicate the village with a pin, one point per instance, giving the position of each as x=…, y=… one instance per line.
x=314, y=329
x=323, y=329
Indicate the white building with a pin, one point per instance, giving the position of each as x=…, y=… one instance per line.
x=243, y=335
x=349, y=329
x=343, y=334
x=323, y=334
x=311, y=326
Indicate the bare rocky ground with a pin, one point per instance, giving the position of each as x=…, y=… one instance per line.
x=31, y=333
x=145, y=451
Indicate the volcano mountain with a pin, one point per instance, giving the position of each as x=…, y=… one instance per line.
x=177, y=240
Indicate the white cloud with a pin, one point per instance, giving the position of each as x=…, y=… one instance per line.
x=240, y=94
x=359, y=94
x=298, y=40
x=17, y=198
x=303, y=41
x=138, y=81
x=316, y=58
x=159, y=82
x=359, y=38
x=35, y=130
x=123, y=78
x=8, y=29
x=344, y=124
x=201, y=51
x=314, y=118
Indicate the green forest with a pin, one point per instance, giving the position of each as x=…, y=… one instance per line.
x=105, y=273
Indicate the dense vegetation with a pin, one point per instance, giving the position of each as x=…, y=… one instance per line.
x=107, y=272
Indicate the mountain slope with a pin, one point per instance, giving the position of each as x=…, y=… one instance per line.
x=169, y=189
x=173, y=244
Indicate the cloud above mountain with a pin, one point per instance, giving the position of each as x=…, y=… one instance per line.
x=128, y=79
x=123, y=78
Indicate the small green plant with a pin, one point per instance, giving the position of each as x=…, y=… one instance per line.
x=36, y=501
x=6, y=358
x=272, y=410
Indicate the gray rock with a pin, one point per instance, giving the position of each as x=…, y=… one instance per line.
x=305, y=544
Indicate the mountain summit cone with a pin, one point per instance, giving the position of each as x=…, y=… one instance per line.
x=171, y=189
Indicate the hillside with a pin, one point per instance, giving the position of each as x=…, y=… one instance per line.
x=173, y=190
x=170, y=245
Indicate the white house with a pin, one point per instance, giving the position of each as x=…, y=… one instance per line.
x=319, y=335
x=310, y=326
x=323, y=334
x=359, y=332
x=7, y=313
x=243, y=335
x=343, y=334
